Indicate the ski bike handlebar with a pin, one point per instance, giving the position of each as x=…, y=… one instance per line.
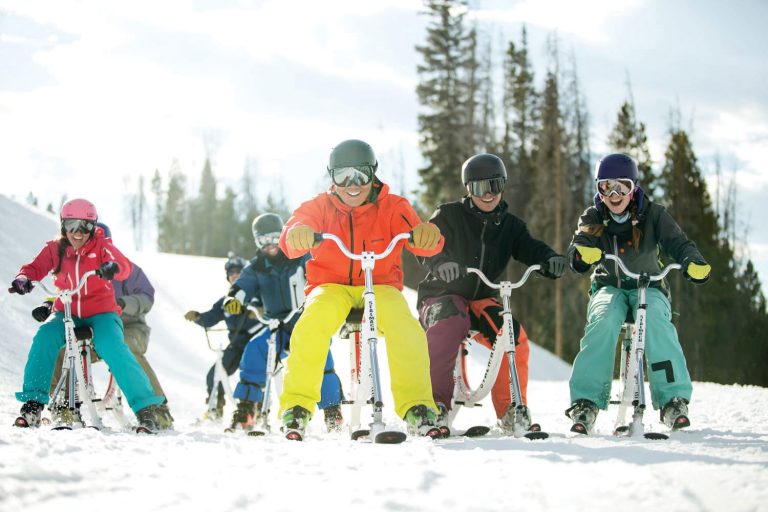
x=634, y=275
x=319, y=237
x=53, y=293
x=272, y=323
x=512, y=286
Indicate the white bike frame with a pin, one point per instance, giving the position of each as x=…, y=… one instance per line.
x=274, y=373
x=76, y=370
x=367, y=388
x=219, y=376
x=463, y=394
x=632, y=373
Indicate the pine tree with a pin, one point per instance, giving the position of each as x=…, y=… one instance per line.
x=443, y=91
x=172, y=225
x=628, y=136
x=202, y=225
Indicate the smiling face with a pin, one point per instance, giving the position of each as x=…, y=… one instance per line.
x=487, y=202
x=353, y=195
x=78, y=239
x=616, y=203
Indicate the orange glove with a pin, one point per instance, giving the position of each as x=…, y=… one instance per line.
x=301, y=238
x=426, y=236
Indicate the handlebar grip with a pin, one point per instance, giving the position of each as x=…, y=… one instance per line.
x=12, y=290
x=318, y=237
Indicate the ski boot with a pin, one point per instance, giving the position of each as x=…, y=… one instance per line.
x=333, y=418
x=583, y=413
x=31, y=415
x=153, y=419
x=442, y=420
x=215, y=414
x=675, y=413
x=516, y=421
x=421, y=422
x=245, y=416
x=295, y=422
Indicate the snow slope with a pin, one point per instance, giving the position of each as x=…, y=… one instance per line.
x=721, y=464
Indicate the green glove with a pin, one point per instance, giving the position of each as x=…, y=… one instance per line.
x=589, y=255
x=698, y=271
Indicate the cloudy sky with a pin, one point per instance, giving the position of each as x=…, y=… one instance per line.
x=94, y=94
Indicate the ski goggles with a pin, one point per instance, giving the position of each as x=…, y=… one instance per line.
x=620, y=187
x=347, y=176
x=267, y=239
x=481, y=187
x=75, y=225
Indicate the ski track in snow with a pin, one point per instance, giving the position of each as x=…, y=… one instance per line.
x=721, y=463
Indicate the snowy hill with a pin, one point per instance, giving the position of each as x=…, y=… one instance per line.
x=721, y=464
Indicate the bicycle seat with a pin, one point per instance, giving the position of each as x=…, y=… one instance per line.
x=630, y=317
x=355, y=316
x=83, y=333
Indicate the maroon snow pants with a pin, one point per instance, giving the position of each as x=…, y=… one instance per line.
x=447, y=321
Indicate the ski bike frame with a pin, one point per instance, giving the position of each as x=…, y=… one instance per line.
x=76, y=375
x=631, y=372
x=274, y=371
x=220, y=377
x=366, y=381
x=463, y=394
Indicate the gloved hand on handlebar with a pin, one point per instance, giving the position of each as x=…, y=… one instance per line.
x=22, y=285
x=554, y=267
x=589, y=255
x=426, y=236
x=448, y=271
x=43, y=311
x=107, y=270
x=233, y=306
x=300, y=238
x=698, y=272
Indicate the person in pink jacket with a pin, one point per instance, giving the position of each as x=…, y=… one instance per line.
x=81, y=248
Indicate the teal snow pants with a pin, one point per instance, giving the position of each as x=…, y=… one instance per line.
x=109, y=344
x=592, y=372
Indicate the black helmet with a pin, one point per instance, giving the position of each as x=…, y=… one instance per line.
x=352, y=153
x=266, y=229
x=483, y=166
x=616, y=166
x=234, y=264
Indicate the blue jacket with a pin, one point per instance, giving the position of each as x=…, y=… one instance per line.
x=276, y=284
x=239, y=326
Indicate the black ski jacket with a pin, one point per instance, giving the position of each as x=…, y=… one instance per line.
x=482, y=240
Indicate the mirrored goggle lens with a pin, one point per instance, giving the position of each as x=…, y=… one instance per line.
x=619, y=187
x=75, y=225
x=347, y=176
x=267, y=239
x=481, y=187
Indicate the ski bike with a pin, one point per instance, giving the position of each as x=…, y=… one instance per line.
x=631, y=371
x=75, y=386
x=220, y=380
x=366, y=380
x=466, y=396
x=274, y=366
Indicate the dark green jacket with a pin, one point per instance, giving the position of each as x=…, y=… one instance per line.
x=659, y=232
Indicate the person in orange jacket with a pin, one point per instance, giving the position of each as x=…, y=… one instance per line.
x=360, y=210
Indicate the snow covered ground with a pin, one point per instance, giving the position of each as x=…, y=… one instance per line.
x=720, y=464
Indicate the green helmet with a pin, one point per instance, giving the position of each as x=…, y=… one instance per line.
x=352, y=153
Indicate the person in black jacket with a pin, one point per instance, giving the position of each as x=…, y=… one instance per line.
x=481, y=233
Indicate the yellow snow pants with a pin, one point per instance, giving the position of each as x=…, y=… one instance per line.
x=325, y=309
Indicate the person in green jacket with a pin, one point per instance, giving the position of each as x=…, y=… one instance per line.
x=626, y=223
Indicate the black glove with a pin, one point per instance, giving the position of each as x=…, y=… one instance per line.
x=107, y=270
x=21, y=285
x=554, y=267
x=43, y=311
x=120, y=302
x=448, y=271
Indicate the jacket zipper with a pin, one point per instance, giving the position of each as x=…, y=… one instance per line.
x=616, y=263
x=77, y=280
x=352, y=246
x=482, y=257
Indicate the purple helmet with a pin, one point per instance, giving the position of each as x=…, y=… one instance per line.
x=616, y=166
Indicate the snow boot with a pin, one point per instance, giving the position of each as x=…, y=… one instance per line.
x=31, y=415
x=442, y=420
x=295, y=422
x=583, y=413
x=333, y=418
x=218, y=413
x=245, y=416
x=153, y=419
x=675, y=413
x=421, y=421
